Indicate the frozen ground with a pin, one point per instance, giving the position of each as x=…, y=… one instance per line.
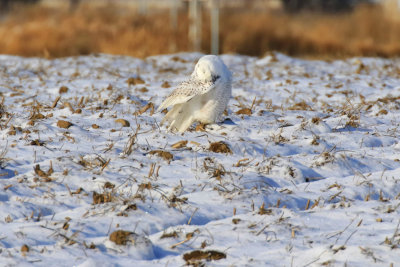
x=312, y=177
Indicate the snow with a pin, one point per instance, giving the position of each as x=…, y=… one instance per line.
x=313, y=177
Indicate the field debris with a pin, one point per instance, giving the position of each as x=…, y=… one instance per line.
x=24, y=249
x=179, y=144
x=244, y=111
x=124, y=123
x=162, y=154
x=195, y=256
x=121, y=237
x=145, y=108
x=304, y=162
x=135, y=81
x=63, y=89
x=220, y=147
x=64, y=124
x=100, y=198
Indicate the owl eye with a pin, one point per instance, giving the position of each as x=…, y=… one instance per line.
x=214, y=78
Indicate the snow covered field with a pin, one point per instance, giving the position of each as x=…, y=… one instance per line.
x=305, y=171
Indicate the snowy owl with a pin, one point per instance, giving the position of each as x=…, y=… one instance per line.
x=202, y=98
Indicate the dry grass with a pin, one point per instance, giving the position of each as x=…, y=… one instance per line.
x=365, y=32
x=40, y=31
x=49, y=32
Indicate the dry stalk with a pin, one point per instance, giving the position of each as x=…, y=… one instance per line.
x=128, y=149
x=56, y=102
x=190, y=219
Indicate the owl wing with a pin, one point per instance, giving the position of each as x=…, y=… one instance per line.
x=186, y=91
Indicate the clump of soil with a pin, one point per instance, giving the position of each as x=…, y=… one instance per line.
x=36, y=142
x=64, y=124
x=165, y=85
x=134, y=81
x=220, y=147
x=63, y=90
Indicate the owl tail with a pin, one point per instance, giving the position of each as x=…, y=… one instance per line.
x=178, y=120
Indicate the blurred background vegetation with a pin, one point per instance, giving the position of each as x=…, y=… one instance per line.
x=304, y=28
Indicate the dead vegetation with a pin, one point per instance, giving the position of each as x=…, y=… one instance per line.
x=162, y=154
x=121, y=237
x=24, y=248
x=300, y=106
x=196, y=256
x=100, y=198
x=220, y=147
x=56, y=32
x=146, y=108
x=124, y=123
x=172, y=234
x=2, y=108
x=180, y=144
x=135, y=81
x=263, y=211
x=128, y=149
x=45, y=176
x=353, y=34
x=64, y=124
x=133, y=168
x=214, y=169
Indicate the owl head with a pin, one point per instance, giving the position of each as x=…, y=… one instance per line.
x=211, y=68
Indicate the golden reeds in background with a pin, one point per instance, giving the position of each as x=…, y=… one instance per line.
x=56, y=32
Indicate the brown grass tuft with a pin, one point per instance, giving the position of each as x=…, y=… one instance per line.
x=121, y=237
x=220, y=147
x=134, y=81
x=42, y=173
x=99, y=198
x=262, y=210
x=300, y=106
x=244, y=111
x=165, y=85
x=24, y=248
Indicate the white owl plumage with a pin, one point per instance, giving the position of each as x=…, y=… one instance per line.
x=202, y=98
